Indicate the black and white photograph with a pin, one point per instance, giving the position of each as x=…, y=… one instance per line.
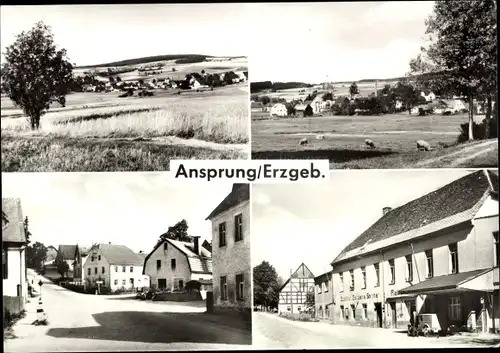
x=378, y=259
x=123, y=262
x=376, y=85
x=122, y=87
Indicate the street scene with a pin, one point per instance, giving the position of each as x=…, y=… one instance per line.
x=399, y=259
x=100, y=287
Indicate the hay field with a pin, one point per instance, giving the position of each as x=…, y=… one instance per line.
x=101, y=132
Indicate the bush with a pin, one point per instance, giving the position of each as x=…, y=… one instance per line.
x=478, y=130
x=302, y=316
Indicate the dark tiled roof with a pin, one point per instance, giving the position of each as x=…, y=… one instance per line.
x=239, y=193
x=441, y=282
x=323, y=277
x=120, y=255
x=67, y=251
x=451, y=199
x=14, y=230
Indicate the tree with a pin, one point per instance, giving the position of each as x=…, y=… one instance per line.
x=264, y=100
x=407, y=94
x=386, y=90
x=35, y=73
x=27, y=233
x=308, y=111
x=36, y=255
x=310, y=300
x=63, y=268
x=265, y=285
x=177, y=232
x=202, y=72
x=328, y=96
x=353, y=89
x=118, y=79
x=461, y=58
x=111, y=79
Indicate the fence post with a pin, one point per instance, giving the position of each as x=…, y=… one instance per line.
x=210, y=302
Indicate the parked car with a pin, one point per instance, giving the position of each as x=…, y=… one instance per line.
x=427, y=324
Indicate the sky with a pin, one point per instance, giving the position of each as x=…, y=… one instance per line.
x=331, y=42
x=96, y=34
x=131, y=209
x=312, y=223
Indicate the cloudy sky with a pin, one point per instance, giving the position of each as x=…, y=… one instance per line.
x=131, y=209
x=335, y=41
x=312, y=223
x=95, y=34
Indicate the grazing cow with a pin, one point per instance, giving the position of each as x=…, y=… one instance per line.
x=370, y=143
x=423, y=146
x=303, y=142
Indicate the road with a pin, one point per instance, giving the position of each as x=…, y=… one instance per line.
x=273, y=332
x=82, y=322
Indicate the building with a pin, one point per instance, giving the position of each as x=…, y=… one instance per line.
x=323, y=295
x=437, y=254
x=51, y=255
x=66, y=253
x=81, y=254
x=230, y=220
x=14, y=285
x=173, y=263
x=115, y=267
x=428, y=95
x=293, y=297
x=279, y=109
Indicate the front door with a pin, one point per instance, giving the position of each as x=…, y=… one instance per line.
x=394, y=315
x=162, y=283
x=378, y=310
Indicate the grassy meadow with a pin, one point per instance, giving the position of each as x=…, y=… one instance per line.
x=394, y=135
x=101, y=132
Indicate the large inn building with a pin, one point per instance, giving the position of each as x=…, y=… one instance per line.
x=436, y=254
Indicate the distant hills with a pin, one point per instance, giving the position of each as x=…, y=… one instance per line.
x=179, y=59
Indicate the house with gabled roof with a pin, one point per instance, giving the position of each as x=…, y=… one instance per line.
x=173, y=263
x=115, y=267
x=293, y=294
x=14, y=283
x=437, y=254
x=66, y=253
x=232, y=287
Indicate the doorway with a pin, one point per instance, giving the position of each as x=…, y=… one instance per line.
x=162, y=283
x=394, y=317
x=378, y=310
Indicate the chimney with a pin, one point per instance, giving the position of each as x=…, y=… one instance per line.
x=385, y=210
x=196, y=249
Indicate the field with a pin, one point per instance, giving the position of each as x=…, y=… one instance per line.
x=101, y=132
x=394, y=135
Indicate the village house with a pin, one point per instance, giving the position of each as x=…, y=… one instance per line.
x=279, y=109
x=230, y=220
x=323, y=296
x=115, y=267
x=66, y=253
x=437, y=254
x=81, y=254
x=301, y=108
x=428, y=95
x=14, y=285
x=294, y=292
x=173, y=263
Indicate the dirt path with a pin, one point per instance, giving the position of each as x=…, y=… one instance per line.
x=481, y=148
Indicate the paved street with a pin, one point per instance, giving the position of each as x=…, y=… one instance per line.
x=80, y=322
x=274, y=332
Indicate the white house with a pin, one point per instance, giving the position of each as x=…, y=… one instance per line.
x=279, y=109
x=294, y=292
x=241, y=76
x=114, y=266
x=428, y=95
x=173, y=263
x=13, y=252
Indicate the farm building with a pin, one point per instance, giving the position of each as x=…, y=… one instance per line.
x=294, y=292
x=279, y=109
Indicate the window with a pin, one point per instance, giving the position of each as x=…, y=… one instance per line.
x=222, y=234
x=158, y=265
x=116, y=282
x=92, y=258
x=497, y=249
x=409, y=268
x=299, y=308
x=365, y=312
x=238, y=227
x=124, y=282
x=95, y=270
x=454, y=312
x=165, y=245
x=173, y=264
x=429, y=264
x=124, y=269
x=453, y=258
x=131, y=268
x=102, y=269
x=341, y=277
x=89, y=271
x=99, y=257
x=239, y=287
x=351, y=278
x=131, y=280
x=288, y=308
x=319, y=288
x=342, y=312
x=327, y=284
x=116, y=268
x=223, y=288
x=181, y=284
x=353, y=309
x=5, y=264
x=377, y=274
x=103, y=283
x=392, y=270
x=363, y=277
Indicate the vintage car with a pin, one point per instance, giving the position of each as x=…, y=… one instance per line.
x=427, y=324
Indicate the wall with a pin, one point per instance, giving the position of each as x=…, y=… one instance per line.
x=117, y=277
x=323, y=300
x=285, y=303
x=17, y=273
x=12, y=304
x=233, y=258
x=182, y=270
